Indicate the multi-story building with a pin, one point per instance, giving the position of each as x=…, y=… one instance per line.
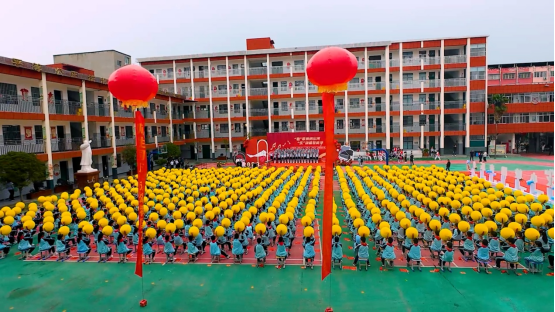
x=103, y=63
x=50, y=110
x=412, y=94
x=527, y=124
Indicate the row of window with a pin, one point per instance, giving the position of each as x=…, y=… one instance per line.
x=523, y=118
x=531, y=97
x=511, y=76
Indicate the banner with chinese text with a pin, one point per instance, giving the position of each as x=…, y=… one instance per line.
x=296, y=140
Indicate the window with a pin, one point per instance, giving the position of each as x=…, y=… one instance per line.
x=354, y=103
x=8, y=89
x=478, y=49
x=12, y=135
x=477, y=96
x=127, y=61
x=421, y=76
x=284, y=126
x=509, y=76
x=284, y=107
x=222, y=108
x=523, y=75
x=224, y=128
x=354, y=124
x=118, y=63
x=422, y=98
x=477, y=73
x=370, y=123
x=339, y=123
x=551, y=74
x=407, y=99
x=153, y=131
x=408, y=121
x=223, y=146
x=407, y=54
x=118, y=160
x=298, y=62
x=205, y=127
x=407, y=143
x=312, y=125
x=493, y=77
x=38, y=134
x=237, y=127
x=299, y=105
x=299, y=83
x=35, y=96
x=129, y=132
x=477, y=118
x=339, y=103
x=407, y=76
x=312, y=105
x=300, y=125
x=540, y=74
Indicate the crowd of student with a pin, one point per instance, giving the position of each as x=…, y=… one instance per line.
x=444, y=212
x=185, y=211
x=295, y=155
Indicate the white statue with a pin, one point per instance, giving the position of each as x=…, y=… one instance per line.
x=86, y=157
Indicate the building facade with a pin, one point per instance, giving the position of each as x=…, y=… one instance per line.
x=414, y=95
x=103, y=63
x=528, y=123
x=49, y=111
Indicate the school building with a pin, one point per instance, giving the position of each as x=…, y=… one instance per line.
x=413, y=94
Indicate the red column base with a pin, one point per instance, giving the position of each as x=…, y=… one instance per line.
x=142, y=303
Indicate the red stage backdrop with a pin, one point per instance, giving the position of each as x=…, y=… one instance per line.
x=296, y=140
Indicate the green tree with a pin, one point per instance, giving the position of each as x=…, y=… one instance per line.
x=498, y=103
x=173, y=150
x=21, y=169
x=129, y=156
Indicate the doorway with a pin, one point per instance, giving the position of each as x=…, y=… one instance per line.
x=105, y=168
x=76, y=162
x=206, y=152
x=64, y=172
x=378, y=143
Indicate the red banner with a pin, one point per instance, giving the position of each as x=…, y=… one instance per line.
x=296, y=140
x=141, y=177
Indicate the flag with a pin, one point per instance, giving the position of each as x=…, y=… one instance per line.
x=141, y=173
x=328, y=104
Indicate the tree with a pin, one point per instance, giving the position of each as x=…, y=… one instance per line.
x=129, y=156
x=498, y=103
x=21, y=169
x=173, y=150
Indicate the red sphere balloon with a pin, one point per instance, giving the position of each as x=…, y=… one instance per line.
x=331, y=69
x=133, y=85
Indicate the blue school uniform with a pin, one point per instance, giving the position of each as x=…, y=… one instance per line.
x=244, y=240
x=147, y=249
x=168, y=248
x=420, y=227
x=178, y=240
x=483, y=253
x=248, y=231
x=436, y=244
x=447, y=256
x=511, y=255
x=44, y=245
x=237, y=247
x=281, y=251
x=191, y=248
x=337, y=251
x=60, y=246
x=309, y=251
x=468, y=245
x=536, y=256
x=493, y=245
x=122, y=248
x=363, y=251
x=198, y=239
x=428, y=235
x=414, y=252
x=160, y=240
x=136, y=239
x=215, y=249
x=207, y=232
x=82, y=247
x=388, y=252
x=259, y=252
x=24, y=245
x=101, y=247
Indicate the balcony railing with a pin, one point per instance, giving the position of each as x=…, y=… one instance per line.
x=453, y=59
x=201, y=73
x=300, y=128
x=189, y=135
x=66, y=144
x=166, y=88
x=394, y=106
x=34, y=146
x=430, y=105
x=258, y=91
x=121, y=112
x=65, y=107
x=411, y=129
x=218, y=73
x=431, y=127
x=203, y=134
x=183, y=74
x=298, y=68
x=431, y=60
x=455, y=82
x=376, y=107
x=236, y=92
x=220, y=113
x=394, y=63
x=237, y=72
x=258, y=71
x=219, y=93
x=201, y=94
x=163, y=138
x=236, y=134
x=258, y=112
x=376, y=85
x=412, y=84
x=279, y=70
x=356, y=129
x=411, y=61
x=394, y=85
x=95, y=109
x=258, y=132
x=339, y=108
x=299, y=89
x=453, y=104
x=413, y=106
x=376, y=64
x=454, y=127
x=395, y=128
x=121, y=141
x=19, y=104
x=99, y=141
x=354, y=86
x=202, y=114
x=431, y=83
x=356, y=107
x=280, y=90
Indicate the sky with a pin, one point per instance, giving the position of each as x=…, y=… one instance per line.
x=35, y=30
